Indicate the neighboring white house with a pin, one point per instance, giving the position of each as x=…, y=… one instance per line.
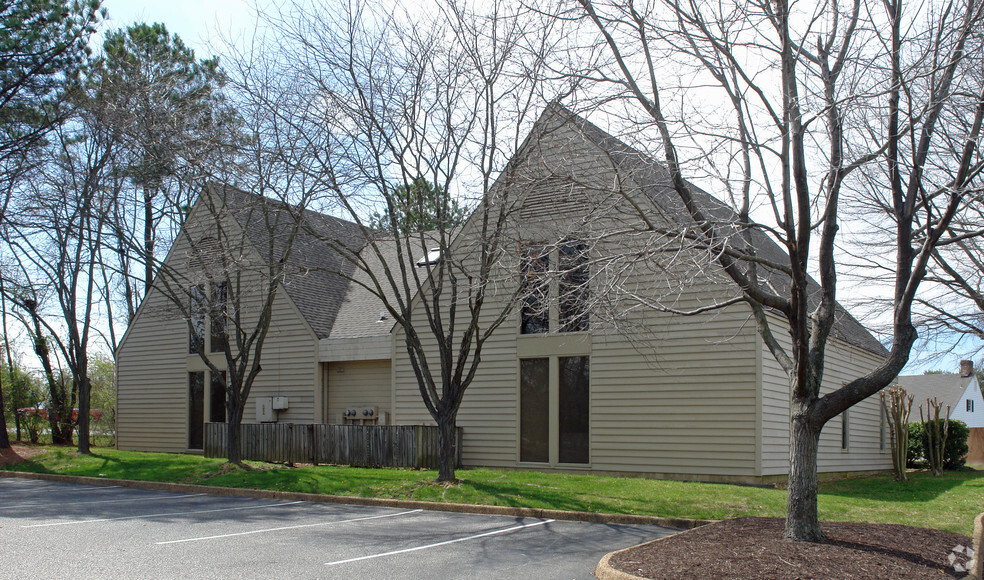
x=696, y=397
x=960, y=393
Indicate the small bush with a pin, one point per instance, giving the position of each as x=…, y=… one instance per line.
x=954, y=453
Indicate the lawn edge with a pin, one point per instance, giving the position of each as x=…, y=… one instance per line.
x=605, y=571
x=590, y=517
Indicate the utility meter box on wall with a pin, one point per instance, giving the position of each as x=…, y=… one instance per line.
x=279, y=403
x=264, y=409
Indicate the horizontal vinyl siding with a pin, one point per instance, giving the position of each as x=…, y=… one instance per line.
x=153, y=361
x=669, y=395
x=290, y=368
x=844, y=363
x=679, y=400
x=775, y=415
x=358, y=385
x=488, y=409
x=152, y=393
x=973, y=419
x=362, y=348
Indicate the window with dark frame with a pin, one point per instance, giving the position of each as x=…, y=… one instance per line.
x=572, y=401
x=844, y=431
x=217, y=398
x=535, y=289
x=573, y=288
x=219, y=335
x=534, y=410
x=196, y=410
x=881, y=427
x=970, y=405
x=575, y=411
x=196, y=338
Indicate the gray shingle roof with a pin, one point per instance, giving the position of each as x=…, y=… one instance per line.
x=362, y=312
x=947, y=388
x=654, y=179
x=325, y=287
x=316, y=281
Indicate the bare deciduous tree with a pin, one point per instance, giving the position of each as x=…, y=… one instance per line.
x=446, y=100
x=812, y=105
x=56, y=241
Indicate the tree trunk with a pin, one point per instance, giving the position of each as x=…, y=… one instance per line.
x=61, y=434
x=234, y=420
x=85, y=390
x=148, y=247
x=448, y=430
x=802, y=516
x=4, y=439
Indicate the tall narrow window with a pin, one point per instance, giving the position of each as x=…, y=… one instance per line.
x=881, y=427
x=573, y=289
x=217, y=398
x=535, y=312
x=534, y=404
x=196, y=339
x=219, y=335
x=196, y=410
x=574, y=409
x=845, y=431
x=970, y=405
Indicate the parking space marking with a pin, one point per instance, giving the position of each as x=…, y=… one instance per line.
x=162, y=514
x=445, y=543
x=75, y=503
x=286, y=528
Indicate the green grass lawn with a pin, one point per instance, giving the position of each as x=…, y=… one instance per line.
x=948, y=503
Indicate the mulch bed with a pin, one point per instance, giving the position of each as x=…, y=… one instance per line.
x=754, y=548
x=18, y=453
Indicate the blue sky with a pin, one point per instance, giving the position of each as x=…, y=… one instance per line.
x=195, y=21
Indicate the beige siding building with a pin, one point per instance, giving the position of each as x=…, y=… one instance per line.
x=622, y=386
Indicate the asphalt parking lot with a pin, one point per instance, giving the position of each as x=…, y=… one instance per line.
x=60, y=530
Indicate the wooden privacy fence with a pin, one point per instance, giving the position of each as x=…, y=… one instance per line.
x=355, y=445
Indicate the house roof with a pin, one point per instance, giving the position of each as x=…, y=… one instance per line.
x=654, y=180
x=326, y=287
x=313, y=282
x=947, y=388
x=334, y=307
x=362, y=312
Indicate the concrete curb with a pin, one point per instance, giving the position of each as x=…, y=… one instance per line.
x=605, y=571
x=679, y=523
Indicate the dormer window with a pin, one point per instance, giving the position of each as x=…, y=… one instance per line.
x=433, y=256
x=970, y=405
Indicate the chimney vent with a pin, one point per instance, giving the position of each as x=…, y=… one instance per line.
x=966, y=368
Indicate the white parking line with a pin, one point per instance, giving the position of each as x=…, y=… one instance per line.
x=163, y=514
x=75, y=503
x=286, y=528
x=404, y=551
